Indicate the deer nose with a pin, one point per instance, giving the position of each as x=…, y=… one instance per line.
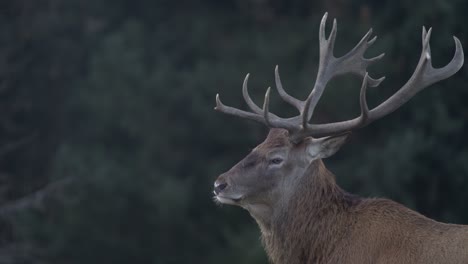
x=219, y=186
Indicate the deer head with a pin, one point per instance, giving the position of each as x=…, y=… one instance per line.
x=270, y=173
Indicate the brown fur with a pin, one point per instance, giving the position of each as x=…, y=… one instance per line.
x=324, y=224
x=308, y=218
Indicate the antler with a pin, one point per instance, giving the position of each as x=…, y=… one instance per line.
x=330, y=67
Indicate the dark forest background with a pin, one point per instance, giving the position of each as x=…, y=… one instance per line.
x=109, y=144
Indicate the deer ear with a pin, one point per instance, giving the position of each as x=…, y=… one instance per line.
x=325, y=147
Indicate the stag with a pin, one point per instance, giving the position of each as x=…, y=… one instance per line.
x=304, y=216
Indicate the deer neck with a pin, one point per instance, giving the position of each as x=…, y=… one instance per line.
x=311, y=218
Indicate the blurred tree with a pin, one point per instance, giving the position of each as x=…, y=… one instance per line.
x=40, y=51
x=119, y=95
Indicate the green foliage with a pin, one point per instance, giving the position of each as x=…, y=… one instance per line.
x=135, y=125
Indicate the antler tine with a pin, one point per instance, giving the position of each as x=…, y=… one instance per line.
x=363, y=100
x=284, y=95
x=322, y=28
x=266, y=104
x=236, y=112
x=332, y=37
x=248, y=100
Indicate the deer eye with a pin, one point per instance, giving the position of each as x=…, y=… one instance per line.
x=276, y=161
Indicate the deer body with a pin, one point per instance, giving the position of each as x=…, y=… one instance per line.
x=303, y=215
x=323, y=224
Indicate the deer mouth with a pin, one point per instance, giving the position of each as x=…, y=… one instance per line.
x=227, y=200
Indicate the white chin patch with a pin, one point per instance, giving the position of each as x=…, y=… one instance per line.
x=225, y=200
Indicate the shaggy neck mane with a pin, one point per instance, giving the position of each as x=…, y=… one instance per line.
x=316, y=208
